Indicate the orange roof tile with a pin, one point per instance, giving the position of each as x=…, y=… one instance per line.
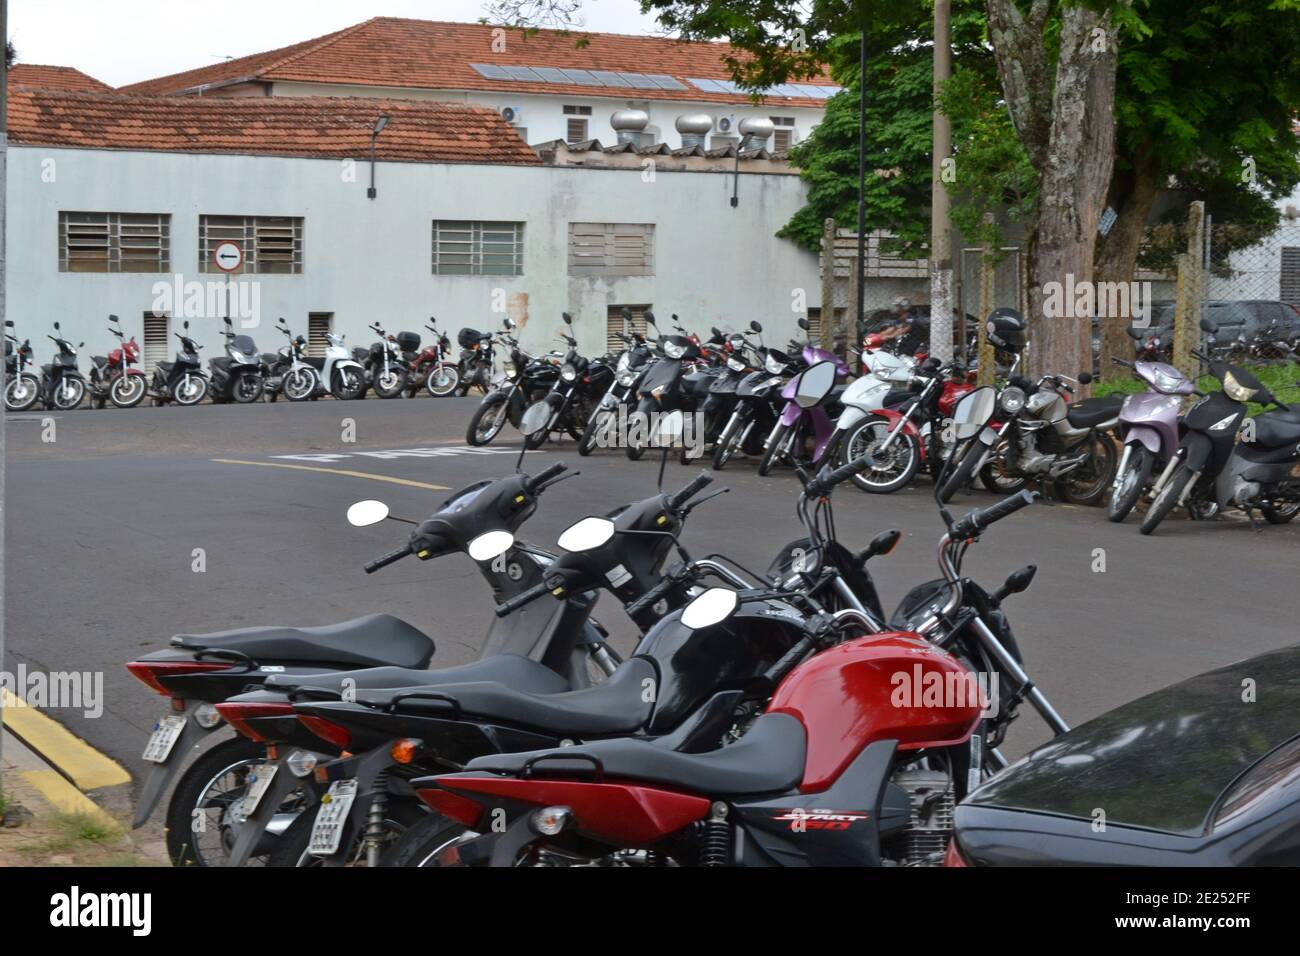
x=34, y=76
x=424, y=54
x=317, y=127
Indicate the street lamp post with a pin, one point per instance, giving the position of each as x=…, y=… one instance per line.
x=374, y=135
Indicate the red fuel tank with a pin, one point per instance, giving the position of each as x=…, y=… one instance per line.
x=894, y=686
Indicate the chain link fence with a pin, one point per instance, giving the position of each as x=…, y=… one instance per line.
x=1251, y=289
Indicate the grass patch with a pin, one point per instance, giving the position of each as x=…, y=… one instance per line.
x=1279, y=379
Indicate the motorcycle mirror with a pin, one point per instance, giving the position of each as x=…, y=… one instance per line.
x=568, y=319
x=1017, y=581
x=81, y=345
x=9, y=323
x=1085, y=378
x=532, y=421
x=186, y=325
x=755, y=327
x=586, y=534
x=113, y=318
x=365, y=513
x=650, y=319
x=815, y=384
x=883, y=543
x=281, y=320
x=803, y=323
x=490, y=544
x=973, y=412
x=56, y=326
x=227, y=321
x=712, y=607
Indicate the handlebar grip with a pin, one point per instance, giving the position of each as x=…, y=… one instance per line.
x=387, y=559
x=519, y=600
x=1119, y=361
x=533, y=484
x=650, y=598
x=824, y=483
x=702, y=481
x=977, y=521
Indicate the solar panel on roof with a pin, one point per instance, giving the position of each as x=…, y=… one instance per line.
x=639, y=81
x=550, y=74
x=487, y=71
x=831, y=90
x=786, y=89
x=666, y=82
x=708, y=86
x=610, y=79
x=581, y=77
x=524, y=74
x=810, y=91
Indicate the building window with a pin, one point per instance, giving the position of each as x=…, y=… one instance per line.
x=319, y=325
x=463, y=248
x=114, y=242
x=783, y=136
x=614, y=325
x=611, y=249
x=272, y=244
x=157, y=341
x=576, y=123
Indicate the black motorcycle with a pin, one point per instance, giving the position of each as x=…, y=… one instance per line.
x=181, y=381
x=385, y=366
x=237, y=375
x=757, y=408
x=738, y=359
x=62, y=384
x=22, y=388
x=527, y=379
x=477, y=355
x=660, y=388
x=573, y=400
x=630, y=365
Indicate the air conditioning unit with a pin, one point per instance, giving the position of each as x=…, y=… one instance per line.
x=726, y=125
x=514, y=115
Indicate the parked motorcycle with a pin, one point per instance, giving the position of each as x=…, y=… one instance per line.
x=336, y=372
x=182, y=380
x=573, y=399
x=434, y=368
x=802, y=434
x=630, y=365
x=477, y=357
x=1212, y=470
x=758, y=407
x=527, y=379
x=275, y=365
x=112, y=376
x=385, y=367
x=237, y=376
x=62, y=384
x=660, y=387
x=22, y=388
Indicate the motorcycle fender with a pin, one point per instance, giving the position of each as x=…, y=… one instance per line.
x=851, y=416
x=791, y=415
x=909, y=427
x=349, y=363
x=1197, y=449
x=1148, y=437
x=368, y=768
x=160, y=775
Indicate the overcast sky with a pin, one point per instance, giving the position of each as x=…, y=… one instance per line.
x=124, y=41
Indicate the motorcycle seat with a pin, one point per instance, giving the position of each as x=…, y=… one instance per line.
x=99, y=359
x=1277, y=428
x=375, y=640
x=613, y=707
x=166, y=366
x=768, y=759
x=513, y=670
x=897, y=396
x=222, y=362
x=1093, y=411
x=315, y=361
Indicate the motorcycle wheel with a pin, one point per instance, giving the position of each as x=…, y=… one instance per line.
x=298, y=385
x=291, y=847
x=635, y=451
x=78, y=390
x=772, y=449
x=1087, y=484
x=431, y=842
x=22, y=392
x=1130, y=485
x=963, y=474
x=212, y=785
x=1280, y=514
x=194, y=394
x=488, y=420
x=594, y=432
x=904, y=456
x=127, y=391
x=247, y=388
x=443, y=381
x=995, y=477
x=390, y=384
x=348, y=385
x=1166, y=500
x=724, y=448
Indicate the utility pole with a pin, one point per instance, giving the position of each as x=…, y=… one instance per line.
x=862, y=178
x=940, y=223
x=4, y=157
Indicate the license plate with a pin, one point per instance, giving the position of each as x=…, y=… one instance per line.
x=327, y=830
x=165, y=734
x=259, y=781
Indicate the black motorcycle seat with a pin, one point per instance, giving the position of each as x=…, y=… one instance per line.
x=768, y=759
x=897, y=396
x=166, y=366
x=270, y=358
x=1093, y=411
x=513, y=670
x=1277, y=428
x=221, y=362
x=616, y=706
x=375, y=640
x=99, y=359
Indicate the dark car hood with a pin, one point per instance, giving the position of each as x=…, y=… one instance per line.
x=1162, y=761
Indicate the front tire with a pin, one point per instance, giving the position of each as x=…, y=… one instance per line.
x=488, y=420
x=773, y=449
x=127, y=391
x=1167, y=499
x=594, y=433
x=443, y=381
x=298, y=385
x=22, y=392
x=723, y=448
x=390, y=384
x=192, y=394
x=995, y=475
x=348, y=385
x=1130, y=484
x=248, y=388
x=904, y=456
x=69, y=393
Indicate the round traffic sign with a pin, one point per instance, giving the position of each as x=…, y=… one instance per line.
x=228, y=256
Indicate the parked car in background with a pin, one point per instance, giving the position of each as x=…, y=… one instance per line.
x=1249, y=329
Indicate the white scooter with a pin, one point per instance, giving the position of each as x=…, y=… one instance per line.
x=336, y=371
x=887, y=381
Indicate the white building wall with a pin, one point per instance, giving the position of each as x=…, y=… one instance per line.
x=544, y=118
x=367, y=260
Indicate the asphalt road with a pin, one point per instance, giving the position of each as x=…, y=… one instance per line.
x=103, y=523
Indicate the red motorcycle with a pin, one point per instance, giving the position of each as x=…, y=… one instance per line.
x=433, y=367
x=114, y=377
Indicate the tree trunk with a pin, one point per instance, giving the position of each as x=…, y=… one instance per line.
x=1117, y=253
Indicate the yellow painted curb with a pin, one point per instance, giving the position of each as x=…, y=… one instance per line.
x=77, y=760
x=66, y=798
x=335, y=471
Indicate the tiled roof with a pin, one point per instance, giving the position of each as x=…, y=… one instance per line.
x=316, y=127
x=424, y=54
x=33, y=76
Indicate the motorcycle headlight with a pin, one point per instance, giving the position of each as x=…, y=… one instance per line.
x=735, y=364
x=626, y=379
x=568, y=372
x=773, y=366
x=673, y=350
x=509, y=368
x=624, y=362
x=1235, y=390
x=1011, y=400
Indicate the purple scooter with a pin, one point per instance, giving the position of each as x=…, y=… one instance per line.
x=1148, y=426
x=796, y=424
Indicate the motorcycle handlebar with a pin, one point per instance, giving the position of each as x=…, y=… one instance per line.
x=651, y=597
x=977, y=521
x=1125, y=362
x=386, y=560
x=519, y=600
x=534, y=485
x=702, y=481
x=825, y=482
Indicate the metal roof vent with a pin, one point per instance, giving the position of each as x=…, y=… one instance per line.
x=629, y=124
x=694, y=129
x=755, y=132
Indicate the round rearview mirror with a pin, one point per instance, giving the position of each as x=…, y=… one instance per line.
x=669, y=428
x=368, y=512
x=803, y=324
x=586, y=534
x=815, y=384
x=535, y=418
x=755, y=327
x=56, y=326
x=973, y=412
x=712, y=607
x=490, y=544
